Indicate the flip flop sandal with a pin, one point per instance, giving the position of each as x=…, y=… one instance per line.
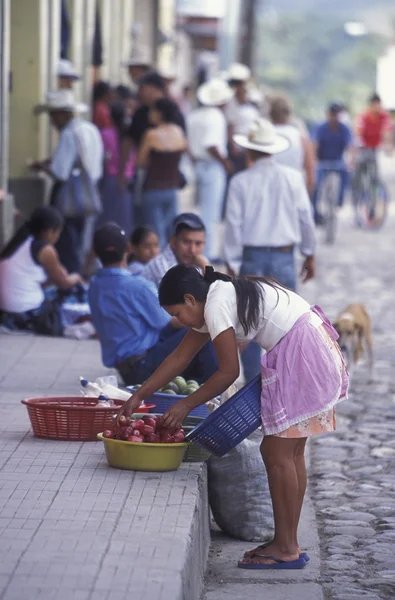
x=300, y=563
x=248, y=554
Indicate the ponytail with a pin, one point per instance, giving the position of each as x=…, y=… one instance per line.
x=181, y=280
x=15, y=242
x=42, y=219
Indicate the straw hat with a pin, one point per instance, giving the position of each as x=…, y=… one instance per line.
x=215, y=92
x=238, y=72
x=61, y=100
x=263, y=138
x=66, y=69
x=139, y=57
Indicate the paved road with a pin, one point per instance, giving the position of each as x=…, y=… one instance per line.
x=352, y=472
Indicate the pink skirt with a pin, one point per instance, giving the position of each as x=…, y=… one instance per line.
x=303, y=378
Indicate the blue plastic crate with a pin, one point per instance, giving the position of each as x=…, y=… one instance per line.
x=164, y=401
x=232, y=422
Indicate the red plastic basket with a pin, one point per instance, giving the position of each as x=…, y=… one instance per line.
x=73, y=418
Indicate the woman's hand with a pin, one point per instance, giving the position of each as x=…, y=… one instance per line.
x=129, y=407
x=174, y=416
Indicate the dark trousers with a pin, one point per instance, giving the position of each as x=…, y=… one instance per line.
x=69, y=245
x=265, y=263
x=203, y=365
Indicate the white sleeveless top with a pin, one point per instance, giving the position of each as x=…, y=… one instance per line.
x=20, y=281
x=294, y=156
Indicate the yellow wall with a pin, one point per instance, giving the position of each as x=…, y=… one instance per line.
x=33, y=42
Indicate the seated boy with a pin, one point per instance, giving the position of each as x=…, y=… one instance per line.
x=135, y=333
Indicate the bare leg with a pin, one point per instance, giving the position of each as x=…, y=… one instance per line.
x=300, y=466
x=279, y=457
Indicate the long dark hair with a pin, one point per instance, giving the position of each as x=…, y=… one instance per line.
x=182, y=279
x=42, y=219
x=168, y=109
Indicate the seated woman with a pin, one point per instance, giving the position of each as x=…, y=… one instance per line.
x=28, y=261
x=160, y=154
x=144, y=243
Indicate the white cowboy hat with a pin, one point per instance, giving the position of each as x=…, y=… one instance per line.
x=239, y=72
x=263, y=138
x=66, y=69
x=215, y=92
x=61, y=100
x=139, y=57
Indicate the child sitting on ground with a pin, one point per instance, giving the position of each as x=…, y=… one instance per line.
x=145, y=246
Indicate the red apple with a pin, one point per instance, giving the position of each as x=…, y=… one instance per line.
x=138, y=424
x=136, y=432
x=146, y=429
x=123, y=420
x=125, y=432
x=135, y=438
x=108, y=434
x=167, y=439
x=179, y=437
x=152, y=438
x=150, y=421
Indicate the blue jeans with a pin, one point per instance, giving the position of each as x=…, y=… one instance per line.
x=158, y=210
x=203, y=365
x=321, y=174
x=210, y=192
x=265, y=263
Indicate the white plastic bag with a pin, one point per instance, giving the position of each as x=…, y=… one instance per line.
x=107, y=386
x=238, y=491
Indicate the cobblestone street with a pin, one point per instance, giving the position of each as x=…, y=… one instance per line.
x=352, y=476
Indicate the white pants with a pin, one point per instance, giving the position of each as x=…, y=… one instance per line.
x=210, y=192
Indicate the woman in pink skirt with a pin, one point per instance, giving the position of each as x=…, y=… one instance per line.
x=303, y=378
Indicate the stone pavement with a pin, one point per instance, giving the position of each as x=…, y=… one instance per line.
x=72, y=528
x=351, y=492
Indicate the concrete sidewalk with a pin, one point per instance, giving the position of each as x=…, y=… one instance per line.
x=72, y=528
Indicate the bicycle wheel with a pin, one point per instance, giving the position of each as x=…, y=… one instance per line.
x=372, y=206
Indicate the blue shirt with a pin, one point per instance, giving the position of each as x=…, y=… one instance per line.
x=126, y=314
x=332, y=142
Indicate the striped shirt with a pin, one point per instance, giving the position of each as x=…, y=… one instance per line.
x=158, y=266
x=78, y=139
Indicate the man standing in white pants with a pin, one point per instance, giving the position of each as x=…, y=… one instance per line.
x=208, y=138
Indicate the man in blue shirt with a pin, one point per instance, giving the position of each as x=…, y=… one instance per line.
x=332, y=138
x=135, y=333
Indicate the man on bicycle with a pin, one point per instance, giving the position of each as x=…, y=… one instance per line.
x=332, y=138
x=374, y=128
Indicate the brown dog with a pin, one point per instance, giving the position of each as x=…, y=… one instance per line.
x=354, y=327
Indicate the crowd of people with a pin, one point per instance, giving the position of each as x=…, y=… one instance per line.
x=157, y=306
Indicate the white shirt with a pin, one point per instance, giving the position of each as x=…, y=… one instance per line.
x=278, y=314
x=207, y=128
x=158, y=266
x=294, y=155
x=241, y=116
x=78, y=139
x=20, y=281
x=267, y=205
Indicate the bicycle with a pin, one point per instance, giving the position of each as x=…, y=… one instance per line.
x=370, y=195
x=328, y=195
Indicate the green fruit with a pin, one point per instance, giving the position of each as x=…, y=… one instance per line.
x=172, y=386
x=193, y=382
x=191, y=389
x=172, y=392
x=181, y=384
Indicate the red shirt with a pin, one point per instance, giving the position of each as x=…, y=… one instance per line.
x=372, y=126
